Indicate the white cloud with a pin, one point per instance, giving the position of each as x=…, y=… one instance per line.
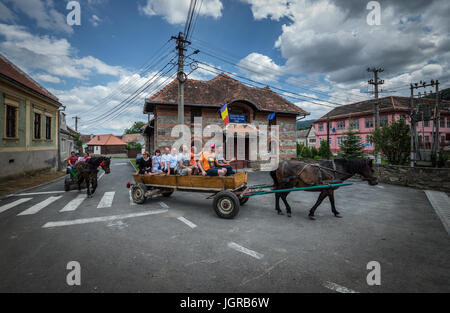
x=55, y=56
x=332, y=38
x=44, y=14
x=260, y=68
x=175, y=11
x=48, y=78
x=90, y=102
x=5, y=14
x=95, y=20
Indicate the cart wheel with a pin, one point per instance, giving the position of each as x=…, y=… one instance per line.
x=67, y=184
x=167, y=192
x=138, y=193
x=226, y=204
x=244, y=200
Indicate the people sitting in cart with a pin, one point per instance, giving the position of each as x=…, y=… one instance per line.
x=72, y=163
x=184, y=162
x=80, y=158
x=169, y=161
x=156, y=162
x=223, y=162
x=145, y=164
x=194, y=158
x=208, y=164
x=86, y=157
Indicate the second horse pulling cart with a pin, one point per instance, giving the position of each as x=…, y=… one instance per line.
x=228, y=193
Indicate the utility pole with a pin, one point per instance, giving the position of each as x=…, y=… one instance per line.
x=76, y=118
x=328, y=134
x=436, y=118
x=376, y=82
x=181, y=44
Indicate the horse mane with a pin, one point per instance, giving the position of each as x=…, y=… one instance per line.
x=96, y=161
x=352, y=166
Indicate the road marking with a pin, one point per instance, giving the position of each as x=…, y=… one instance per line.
x=74, y=204
x=187, y=222
x=37, y=193
x=36, y=208
x=131, y=199
x=441, y=204
x=242, y=249
x=100, y=219
x=107, y=200
x=13, y=204
x=381, y=187
x=101, y=175
x=163, y=205
x=338, y=288
x=120, y=164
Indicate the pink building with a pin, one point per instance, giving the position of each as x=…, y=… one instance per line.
x=360, y=117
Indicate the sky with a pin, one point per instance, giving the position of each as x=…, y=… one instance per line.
x=319, y=50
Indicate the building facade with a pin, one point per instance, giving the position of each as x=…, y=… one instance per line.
x=307, y=137
x=107, y=145
x=360, y=117
x=29, y=123
x=248, y=107
x=67, y=142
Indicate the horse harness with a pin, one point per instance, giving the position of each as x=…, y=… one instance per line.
x=298, y=174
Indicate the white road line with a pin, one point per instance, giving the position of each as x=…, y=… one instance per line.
x=131, y=199
x=242, y=249
x=37, y=193
x=187, y=222
x=381, y=187
x=13, y=204
x=163, y=205
x=120, y=164
x=441, y=205
x=37, y=207
x=74, y=204
x=107, y=200
x=101, y=175
x=338, y=288
x=101, y=219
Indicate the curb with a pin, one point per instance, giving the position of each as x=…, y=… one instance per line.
x=31, y=188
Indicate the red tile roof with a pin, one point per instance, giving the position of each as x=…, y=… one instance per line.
x=224, y=89
x=387, y=104
x=106, y=140
x=12, y=72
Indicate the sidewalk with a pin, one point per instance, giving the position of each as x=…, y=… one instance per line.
x=26, y=182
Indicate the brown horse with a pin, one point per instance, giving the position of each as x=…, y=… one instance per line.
x=297, y=174
x=87, y=171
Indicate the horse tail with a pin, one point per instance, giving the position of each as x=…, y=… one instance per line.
x=273, y=174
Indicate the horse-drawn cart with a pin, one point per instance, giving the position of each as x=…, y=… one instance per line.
x=229, y=193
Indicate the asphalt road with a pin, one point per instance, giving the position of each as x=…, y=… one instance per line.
x=178, y=244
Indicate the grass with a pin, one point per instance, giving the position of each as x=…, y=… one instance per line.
x=133, y=162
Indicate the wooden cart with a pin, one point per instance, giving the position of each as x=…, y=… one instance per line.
x=225, y=190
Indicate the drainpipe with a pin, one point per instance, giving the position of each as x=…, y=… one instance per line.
x=63, y=108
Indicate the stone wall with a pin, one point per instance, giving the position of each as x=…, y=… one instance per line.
x=417, y=177
x=19, y=163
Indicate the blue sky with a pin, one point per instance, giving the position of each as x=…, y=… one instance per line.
x=317, y=49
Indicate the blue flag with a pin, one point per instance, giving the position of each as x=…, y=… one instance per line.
x=271, y=116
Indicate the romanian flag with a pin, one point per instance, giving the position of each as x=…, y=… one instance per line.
x=224, y=113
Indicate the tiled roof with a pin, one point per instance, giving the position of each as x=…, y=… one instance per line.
x=106, y=140
x=9, y=70
x=224, y=89
x=387, y=104
x=128, y=138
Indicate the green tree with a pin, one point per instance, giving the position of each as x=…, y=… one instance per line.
x=135, y=129
x=351, y=146
x=394, y=140
x=77, y=139
x=299, y=150
x=306, y=153
x=134, y=146
x=325, y=150
x=314, y=152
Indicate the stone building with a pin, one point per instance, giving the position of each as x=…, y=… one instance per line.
x=29, y=123
x=247, y=106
